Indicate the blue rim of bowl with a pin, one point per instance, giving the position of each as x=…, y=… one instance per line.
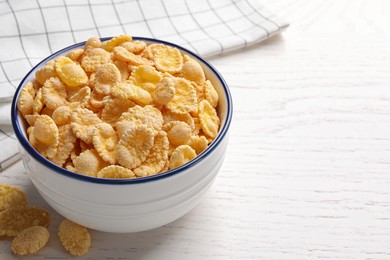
x=26, y=144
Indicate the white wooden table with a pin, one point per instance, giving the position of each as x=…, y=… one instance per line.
x=307, y=173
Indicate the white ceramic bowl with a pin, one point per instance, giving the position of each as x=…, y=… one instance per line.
x=126, y=205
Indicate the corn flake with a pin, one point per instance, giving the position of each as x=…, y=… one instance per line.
x=147, y=115
x=115, y=41
x=70, y=72
x=84, y=122
x=181, y=155
x=26, y=99
x=123, y=126
x=82, y=96
x=70, y=91
x=198, y=143
x=193, y=71
x=11, y=196
x=157, y=157
x=31, y=119
x=166, y=58
x=74, y=238
x=62, y=114
x=200, y=89
x=134, y=46
x=114, y=108
x=178, y=132
x=170, y=116
x=127, y=90
x=145, y=76
x=115, y=172
x=107, y=75
x=46, y=132
x=164, y=91
x=75, y=54
x=46, y=72
x=122, y=54
x=44, y=150
x=97, y=101
x=38, y=102
x=94, y=58
x=123, y=69
x=184, y=100
x=66, y=144
x=30, y=240
x=46, y=111
x=209, y=119
x=15, y=219
x=89, y=163
x=36, y=85
x=91, y=80
x=105, y=140
x=54, y=93
x=197, y=126
x=92, y=43
x=134, y=146
x=211, y=94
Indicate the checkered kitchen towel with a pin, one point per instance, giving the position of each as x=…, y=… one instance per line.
x=33, y=29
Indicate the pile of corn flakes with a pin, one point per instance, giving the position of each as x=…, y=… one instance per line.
x=27, y=225
x=120, y=109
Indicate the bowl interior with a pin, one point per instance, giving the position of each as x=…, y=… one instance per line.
x=224, y=111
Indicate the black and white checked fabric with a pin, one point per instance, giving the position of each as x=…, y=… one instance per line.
x=33, y=29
